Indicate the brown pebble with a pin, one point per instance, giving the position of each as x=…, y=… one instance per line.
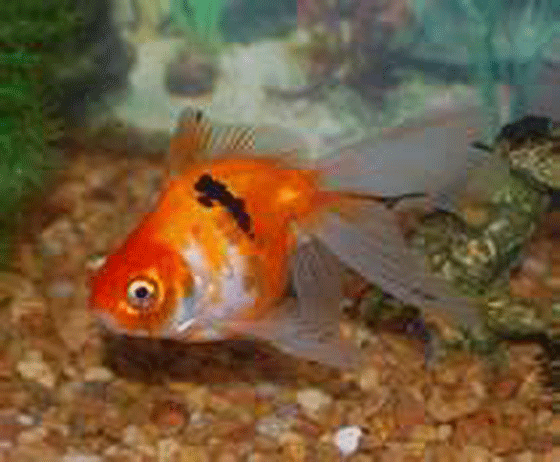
x=505, y=388
x=169, y=414
x=507, y=440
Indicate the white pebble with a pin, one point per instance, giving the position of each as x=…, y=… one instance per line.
x=347, y=439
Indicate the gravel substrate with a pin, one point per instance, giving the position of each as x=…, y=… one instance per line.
x=69, y=393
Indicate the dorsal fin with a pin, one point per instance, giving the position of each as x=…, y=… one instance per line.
x=191, y=141
x=195, y=140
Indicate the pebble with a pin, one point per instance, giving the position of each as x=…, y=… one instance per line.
x=198, y=398
x=446, y=411
x=369, y=379
x=293, y=446
x=132, y=436
x=35, y=369
x=476, y=454
x=31, y=436
x=73, y=328
x=425, y=433
x=507, y=439
x=347, y=439
x=80, y=457
x=98, y=374
x=6, y=365
x=272, y=426
x=25, y=420
x=167, y=450
x=313, y=401
x=169, y=414
x=266, y=390
x=444, y=432
x=227, y=457
x=194, y=454
x=526, y=456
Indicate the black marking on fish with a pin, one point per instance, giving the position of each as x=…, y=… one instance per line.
x=213, y=190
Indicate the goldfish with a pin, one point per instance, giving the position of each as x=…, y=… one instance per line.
x=234, y=229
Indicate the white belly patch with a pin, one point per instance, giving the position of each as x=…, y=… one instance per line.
x=214, y=301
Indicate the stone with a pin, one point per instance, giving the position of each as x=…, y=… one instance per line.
x=526, y=456
x=444, y=432
x=507, y=440
x=35, y=369
x=31, y=436
x=194, y=454
x=313, y=401
x=293, y=447
x=369, y=379
x=168, y=450
x=424, y=433
x=81, y=457
x=447, y=410
x=132, y=436
x=98, y=374
x=272, y=426
x=473, y=453
x=347, y=440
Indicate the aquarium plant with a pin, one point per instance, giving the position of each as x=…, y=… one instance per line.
x=29, y=126
x=198, y=20
x=195, y=68
x=505, y=42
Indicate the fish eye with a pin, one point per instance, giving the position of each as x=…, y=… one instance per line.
x=142, y=293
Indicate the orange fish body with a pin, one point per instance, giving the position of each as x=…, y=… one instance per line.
x=274, y=199
x=216, y=254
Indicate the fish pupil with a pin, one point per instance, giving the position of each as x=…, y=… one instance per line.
x=141, y=292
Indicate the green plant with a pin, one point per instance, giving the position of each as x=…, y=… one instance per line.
x=29, y=128
x=199, y=22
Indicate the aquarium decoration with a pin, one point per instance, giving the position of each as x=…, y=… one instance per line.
x=29, y=123
x=474, y=246
x=505, y=43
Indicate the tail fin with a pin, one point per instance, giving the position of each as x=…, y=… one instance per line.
x=424, y=157
x=434, y=159
x=370, y=241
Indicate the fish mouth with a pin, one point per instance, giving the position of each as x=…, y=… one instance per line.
x=179, y=328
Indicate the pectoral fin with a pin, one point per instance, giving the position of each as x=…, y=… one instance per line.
x=309, y=326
